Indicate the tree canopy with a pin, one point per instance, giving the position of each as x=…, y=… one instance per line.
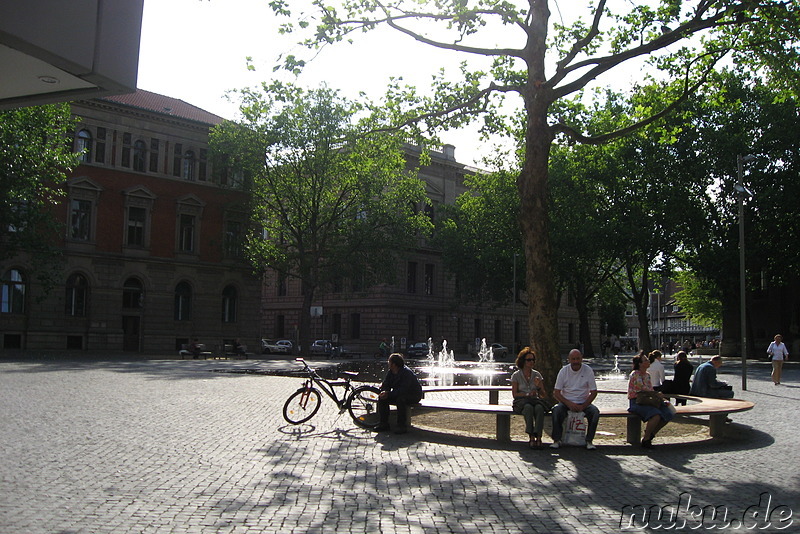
x=331, y=199
x=35, y=155
x=546, y=61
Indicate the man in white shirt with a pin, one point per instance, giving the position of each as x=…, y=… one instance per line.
x=575, y=390
x=656, y=370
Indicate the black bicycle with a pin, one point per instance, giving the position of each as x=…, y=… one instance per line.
x=360, y=401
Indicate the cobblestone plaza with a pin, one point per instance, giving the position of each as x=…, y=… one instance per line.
x=155, y=446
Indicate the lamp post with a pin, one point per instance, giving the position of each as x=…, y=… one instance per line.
x=742, y=191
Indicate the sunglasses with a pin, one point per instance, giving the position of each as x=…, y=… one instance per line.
x=529, y=359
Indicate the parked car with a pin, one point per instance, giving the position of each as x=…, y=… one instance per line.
x=322, y=346
x=285, y=343
x=269, y=346
x=417, y=350
x=498, y=350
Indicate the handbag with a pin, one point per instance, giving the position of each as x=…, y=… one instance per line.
x=575, y=432
x=648, y=398
x=519, y=403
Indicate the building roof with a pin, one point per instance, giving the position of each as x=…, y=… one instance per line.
x=164, y=104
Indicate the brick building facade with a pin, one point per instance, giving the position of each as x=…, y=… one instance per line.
x=151, y=240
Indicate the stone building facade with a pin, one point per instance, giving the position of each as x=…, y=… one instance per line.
x=151, y=240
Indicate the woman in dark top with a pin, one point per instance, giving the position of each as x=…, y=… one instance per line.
x=683, y=373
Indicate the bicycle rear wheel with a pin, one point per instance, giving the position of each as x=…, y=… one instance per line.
x=301, y=405
x=363, y=406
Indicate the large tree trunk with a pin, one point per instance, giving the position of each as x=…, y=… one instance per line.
x=534, y=201
x=534, y=224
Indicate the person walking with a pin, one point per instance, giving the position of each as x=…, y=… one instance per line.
x=779, y=353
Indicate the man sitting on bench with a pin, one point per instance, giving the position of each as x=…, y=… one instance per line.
x=705, y=383
x=401, y=388
x=575, y=390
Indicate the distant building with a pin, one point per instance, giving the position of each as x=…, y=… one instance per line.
x=151, y=240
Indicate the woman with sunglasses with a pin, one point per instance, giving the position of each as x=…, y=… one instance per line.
x=530, y=397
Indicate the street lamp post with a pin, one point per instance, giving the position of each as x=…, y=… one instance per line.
x=742, y=191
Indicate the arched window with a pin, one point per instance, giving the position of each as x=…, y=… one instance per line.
x=12, y=292
x=76, y=295
x=229, y=298
x=84, y=146
x=183, y=302
x=139, y=156
x=132, y=293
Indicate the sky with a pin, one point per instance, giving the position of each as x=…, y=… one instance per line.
x=196, y=50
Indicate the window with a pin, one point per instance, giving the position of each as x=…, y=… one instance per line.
x=80, y=219
x=202, y=172
x=132, y=294
x=355, y=325
x=136, y=226
x=84, y=146
x=429, y=279
x=12, y=292
x=77, y=291
x=187, y=233
x=280, y=326
x=139, y=156
x=154, y=148
x=283, y=285
x=188, y=166
x=233, y=246
x=183, y=302
x=138, y=208
x=229, y=298
x=177, y=159
x=100, y=146
x=126, y=150
x=411, y=275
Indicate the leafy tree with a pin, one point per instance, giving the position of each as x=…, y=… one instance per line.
x=330, y=201
x=741, y=115
x=480, y=236
x=698, y=299
x=35, y=156
x=684, y=40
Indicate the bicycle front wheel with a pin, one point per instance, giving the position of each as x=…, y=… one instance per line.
x=363, y=406
x=302, y=405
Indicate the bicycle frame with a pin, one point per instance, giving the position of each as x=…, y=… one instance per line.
x=327, y=386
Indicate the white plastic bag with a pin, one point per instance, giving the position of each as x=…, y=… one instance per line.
x=575, y=431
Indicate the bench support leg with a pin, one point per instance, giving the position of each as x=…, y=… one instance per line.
x=634, y=430
x=504, y=427
x=716, y=425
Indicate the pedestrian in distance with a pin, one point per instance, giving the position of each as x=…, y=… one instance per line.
x=778, y=353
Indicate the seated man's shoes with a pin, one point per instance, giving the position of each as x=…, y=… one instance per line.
x=590, y=446
x=555, y=445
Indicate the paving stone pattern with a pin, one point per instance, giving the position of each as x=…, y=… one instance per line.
x=171, y=447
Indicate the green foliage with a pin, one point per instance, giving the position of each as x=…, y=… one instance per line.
x=35, y=156
x=479, y=237
x=699, y=299
x=330, y=199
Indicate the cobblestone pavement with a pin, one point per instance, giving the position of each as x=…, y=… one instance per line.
x=169, y=446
